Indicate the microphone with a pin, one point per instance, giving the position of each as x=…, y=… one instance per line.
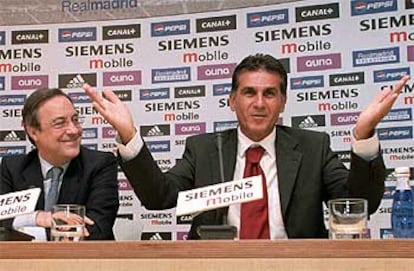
x=219, y=138
x=224, y=231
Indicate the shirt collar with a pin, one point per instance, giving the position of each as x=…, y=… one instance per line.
x=268, y=143
x=45, y=166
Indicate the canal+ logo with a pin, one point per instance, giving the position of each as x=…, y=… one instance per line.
x=129, y=31
x=160, y=29
x=213, y=24
x=272, y=17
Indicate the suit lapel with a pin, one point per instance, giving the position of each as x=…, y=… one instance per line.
x=288, y=159
x=32, y=176
x=71, y=182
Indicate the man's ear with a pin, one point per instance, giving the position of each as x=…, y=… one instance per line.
x=32, y=132
x=283, y=103
x=232, y=101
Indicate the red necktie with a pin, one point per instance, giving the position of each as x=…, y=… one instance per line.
x=254, y=221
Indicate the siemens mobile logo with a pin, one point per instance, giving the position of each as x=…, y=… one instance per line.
x=76, y=80
x=116, y=32
x=220, y=126
x=390, y=74
x=376, y=56
x=155, y=130
x=344, y=118
x=190, y=128
x=2, y=37
x=30, y=36
x=179, y=74
x=395, y=133
x=272, y=17
x=77, y=34
x=122, y=78
x=190, y=91
x=89, y=133
x=309, y=121
x=345, y=79
x=169, y=28
x=213, y=24
x=361, y=7
x=158, y=146
x=79, y=97
x=2, y=83
x=10, y=100
x=318, y=12
x=154, y=94
x=29, y=82
x=403, y=114
x=221, y=89
x=12, y=150
x=307, y=82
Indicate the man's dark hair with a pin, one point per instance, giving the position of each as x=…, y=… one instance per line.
x=260, y=62
x=33, y=103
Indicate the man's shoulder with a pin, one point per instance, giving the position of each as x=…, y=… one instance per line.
x=20, y=159
x=206, y=137
x=300, y=133
x=95, y=154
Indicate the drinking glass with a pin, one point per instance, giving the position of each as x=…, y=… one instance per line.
x=348, y=218
x=68, y=222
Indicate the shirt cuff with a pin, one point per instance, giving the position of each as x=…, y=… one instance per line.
x=367, y=149
x=131, y=149
x=26, y=220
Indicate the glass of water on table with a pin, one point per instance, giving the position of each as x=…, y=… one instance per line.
x=348, y=218
x=68, y=222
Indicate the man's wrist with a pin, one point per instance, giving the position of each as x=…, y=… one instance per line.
x=43, y=219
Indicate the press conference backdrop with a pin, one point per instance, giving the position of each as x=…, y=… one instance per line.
x=175, y=74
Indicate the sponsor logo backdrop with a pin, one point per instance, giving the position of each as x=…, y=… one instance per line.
x=175, y=76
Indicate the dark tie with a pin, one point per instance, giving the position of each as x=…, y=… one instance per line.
x=52, y=196
x=254, y=221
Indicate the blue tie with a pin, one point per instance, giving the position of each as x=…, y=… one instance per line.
x=52, y=197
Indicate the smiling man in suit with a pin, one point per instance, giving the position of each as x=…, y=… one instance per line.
x=86, y=177
x=300, y=169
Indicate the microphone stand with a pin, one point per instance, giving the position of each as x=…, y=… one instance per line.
x=224, y=231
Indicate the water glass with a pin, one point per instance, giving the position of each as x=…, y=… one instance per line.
x=68, y=222
x=348, y=218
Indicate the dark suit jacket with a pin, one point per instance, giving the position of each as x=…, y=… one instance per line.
x=309, y=173
x=90, y=180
